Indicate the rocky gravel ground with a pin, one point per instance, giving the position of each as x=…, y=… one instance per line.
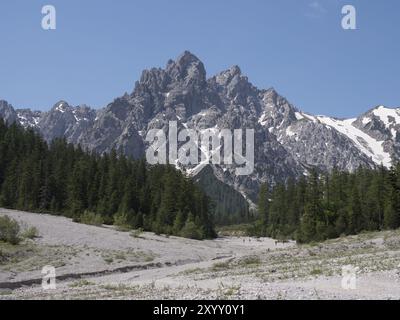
x=103, y=263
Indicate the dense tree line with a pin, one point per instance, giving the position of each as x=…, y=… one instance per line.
x=323, y=206
x=62, y=179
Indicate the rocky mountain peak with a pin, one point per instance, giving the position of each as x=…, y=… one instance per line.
x=154, y=78
x=382, y=123
x=234, y=86
x=276, y=110
x=286, y=140
x=3, y=104
x=188, y=68
x=28, y=118
x=61, y=106
x=7, y=112
x=271, y=93
x=227, y=76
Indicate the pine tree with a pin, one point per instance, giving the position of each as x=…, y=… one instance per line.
x=392, y=202
x=355, y=215
x=313, y=222
x=263, y=204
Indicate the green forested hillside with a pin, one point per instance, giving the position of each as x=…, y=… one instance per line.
x=324, y=206
x=62, y=179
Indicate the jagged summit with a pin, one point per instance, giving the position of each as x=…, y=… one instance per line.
x=187, y=58
x=7, y=112
x=187, y=65
x=61, y=106
x=287, y=141
x=228, y=75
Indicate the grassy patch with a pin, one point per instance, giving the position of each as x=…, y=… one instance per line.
x=148, y=258
x=116, y=287
x=120, y=256
x=9, y=230
x=220, y=266
x=30, y=233
x=121, y=221
x=28, y=256
x=136, y=233
x=81, y=283
x=191, y=271
x=316, y=272
x=108, y=260
x=13, y=254
x=237, y=230
x=91, y=218
x=250, y=261
x=5, y=292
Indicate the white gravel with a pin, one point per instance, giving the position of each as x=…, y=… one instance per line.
x=177, y=268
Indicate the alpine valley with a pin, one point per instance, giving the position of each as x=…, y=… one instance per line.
x=288, y=141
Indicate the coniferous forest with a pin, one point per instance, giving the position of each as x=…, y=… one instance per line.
x=62, y=179
x=323, y=206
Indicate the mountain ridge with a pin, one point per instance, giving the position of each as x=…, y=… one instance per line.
x=288, y=140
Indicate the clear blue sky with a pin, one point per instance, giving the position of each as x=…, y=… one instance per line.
x=100, y=48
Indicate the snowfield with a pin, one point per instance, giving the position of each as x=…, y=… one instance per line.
x=103, y=263
x=365, y=143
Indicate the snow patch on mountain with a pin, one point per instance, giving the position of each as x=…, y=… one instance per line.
x=388, y=116
x=61, y=107
x=28, y=118
x=365, y=143
x=299, y=116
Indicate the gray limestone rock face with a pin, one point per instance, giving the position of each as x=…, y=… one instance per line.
x=287, y=140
